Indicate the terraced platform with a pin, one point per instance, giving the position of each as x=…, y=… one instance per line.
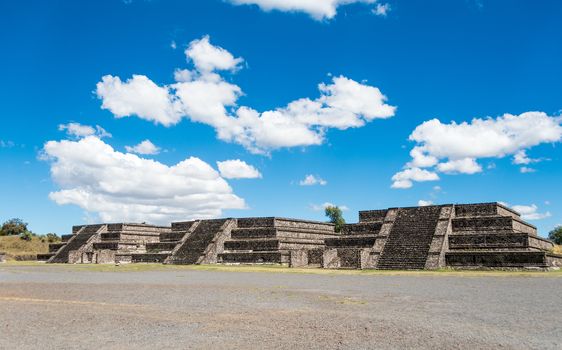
x=276, y=241
x=483, y=235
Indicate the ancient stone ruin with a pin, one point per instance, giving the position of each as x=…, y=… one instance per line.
x=484, y=235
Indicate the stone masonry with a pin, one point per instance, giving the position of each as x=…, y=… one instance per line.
x=483, y=235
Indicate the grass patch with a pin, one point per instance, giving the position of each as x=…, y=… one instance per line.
x=15, y=247
x=557, y=249
x=277, y=269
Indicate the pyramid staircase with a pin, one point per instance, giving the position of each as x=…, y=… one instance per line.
x=203, y=242
x=409, y=241
x=82, y=236
x=273, y=240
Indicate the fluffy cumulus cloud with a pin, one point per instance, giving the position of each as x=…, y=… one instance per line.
x=237, y=169
x=203, y=95
x=207, y=57
x=125, y=187
x=311, y=180
x=145, y=147
x=404, y=178
x=317, y=9
x=79, y=130
x=456, y=148
x=424, y=203
x=530, y=212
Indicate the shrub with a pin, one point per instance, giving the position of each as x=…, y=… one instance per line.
x=52, y=237
x=556, y=235
x=13, y=227
x=336, y=217
x=26, y=236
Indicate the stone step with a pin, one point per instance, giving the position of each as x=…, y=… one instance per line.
x=271, y=257
x=161, y=246
x=255, y=244
x=183, y=226
x=354, y=241
x=54, y=247
x=149, y=257
x=515, y=259
x=362, y=228
x=110, y=236
x=173, y=236
x=115, y=245
x=65, y=238
x=253, y=232
x=44, y=256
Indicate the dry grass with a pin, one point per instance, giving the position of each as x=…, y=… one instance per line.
x=557, y=249
x=15, y=247
x=280, y=269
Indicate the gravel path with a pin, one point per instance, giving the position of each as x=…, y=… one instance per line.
x=53, y=307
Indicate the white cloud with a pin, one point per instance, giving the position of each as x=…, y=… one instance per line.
x=424, y=203
x=317, y=9
x=311, y=180
x=381, y=10
x=208, y=58
x=125, y=187
x=237, y=169
x=79, y=130
x=173, y=45
x=521, y=158
x=530, y=212
x=139, y=96
x=202, y=95
x=145, y=147
x=404, y=178
x=320, y=207
x=526, y=170
x=464, y=166
x=456, y=148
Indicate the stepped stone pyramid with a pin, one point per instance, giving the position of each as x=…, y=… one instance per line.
x=487, y=235
x=274, y=240
x=414, y=238
x=105, y=243
x=493, y=235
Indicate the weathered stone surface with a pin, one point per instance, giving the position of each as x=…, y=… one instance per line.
x=497, y=259
x=372, y=215
x=330, y=259
x=298, y=258
x=315, y=257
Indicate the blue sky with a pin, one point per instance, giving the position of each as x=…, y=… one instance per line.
x=404, y=78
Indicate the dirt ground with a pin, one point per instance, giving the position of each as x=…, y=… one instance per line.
x=67, y=307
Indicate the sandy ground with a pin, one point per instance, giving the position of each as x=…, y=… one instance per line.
x=48, y=307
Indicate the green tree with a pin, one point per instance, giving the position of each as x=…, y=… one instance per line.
x=336, y=218
x=556, y=235
x=13, y=227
